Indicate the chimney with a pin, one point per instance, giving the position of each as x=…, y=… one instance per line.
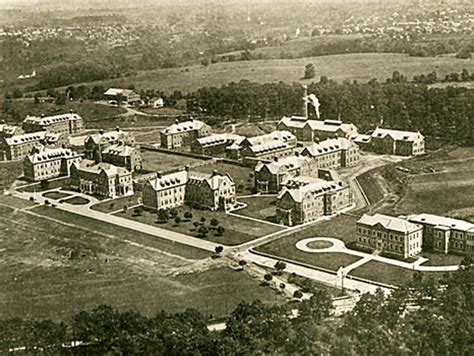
x=187, y=168
x=191, y=118
x=297, y=154
x=70, y=111
x=158, y=175
x=176, y=121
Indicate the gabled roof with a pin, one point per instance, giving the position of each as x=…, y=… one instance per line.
x=397, y=135
x=51, y=154
x=108, y=136
x=119, y=150
x=327, y=146
x=8, y=130
x=437, y=220
x=267, y=139
x=318, y=125
x=24, y=138
x=101, y=168
x=185, y=126
x=213, y=180
x=168, y=181
x=117, y=91
x=389, y=223
x=283, y=164
x=299, y=187
x=48, y=120
x=218, y=139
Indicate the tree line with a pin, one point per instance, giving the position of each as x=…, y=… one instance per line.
x=426, y=317
x=446, y=114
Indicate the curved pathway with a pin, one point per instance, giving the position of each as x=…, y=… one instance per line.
x=339, y=247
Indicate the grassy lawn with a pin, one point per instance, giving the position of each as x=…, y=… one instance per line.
x=15, y=202
x=116, y=204
x=389, y=274
x=439, y=259
x=369, y=185
x=56, y=195
x=242, y=176
x=129, y=121
x=76, y=201
x=360, y=66
x=158, y=161
x=9, y=172
x=259, y=207
x=237, y=230
x=67, y=270
x=319, y=244
x=122, y=233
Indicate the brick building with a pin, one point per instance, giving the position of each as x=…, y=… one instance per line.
x=390, y=234
x=19, y=146
x=311, y=130
x=96, y=143
x=442, y=234
x=270, y=176
x=122, y=155
x=67, y=124
x=333, y=153
x=305, y=199
x=183, y=133
x=395, y=142
x=7, y=130
x=210, y=191
x=102, y=179
x=165, y=191
x=215, y=144
x=45, y=163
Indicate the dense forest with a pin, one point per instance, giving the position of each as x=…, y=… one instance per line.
x=426, y=318
x=446, y=114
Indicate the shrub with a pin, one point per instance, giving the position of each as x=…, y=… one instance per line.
x=268, y=277
x=298, y=294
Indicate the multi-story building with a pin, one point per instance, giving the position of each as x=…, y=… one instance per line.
x=19, y=146
x=182, y=134
x=305, y=199
x=310, y=130
x=445, y=234
x=395, y=142
x=123, y=156
x=102, y=179
x=45, y=163
x=165, y=191
x=210, y=191
x=264, y=147
x=270, y=176
x=67, y=124
x=96, y=143
x=215, y=144
x=333, y=153
x=390, y=234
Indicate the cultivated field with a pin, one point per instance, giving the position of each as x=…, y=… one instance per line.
x=361, y=67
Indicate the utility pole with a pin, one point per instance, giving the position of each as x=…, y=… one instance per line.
x=305, y=99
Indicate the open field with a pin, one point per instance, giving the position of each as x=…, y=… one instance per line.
x=15, y=202
x=438, y=259
x=242, y=176
x=116, y=204
x=67, y=270
x=9, y=172
x=158, y=161
x=129, y=121
x=237, y=230
x=390, y=274
x=259, y=207
x=361, y=67
x=93, y=225
x=88, y=110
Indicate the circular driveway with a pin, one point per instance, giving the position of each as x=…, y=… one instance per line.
x=336, y=245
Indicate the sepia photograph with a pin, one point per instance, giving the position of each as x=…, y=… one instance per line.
x=237, y=177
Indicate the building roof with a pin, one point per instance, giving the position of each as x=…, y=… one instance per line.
x=361, y=139
x=318, y=125
x=269, y=138
x=327, y=146
x=108, y=136
x=287, y=164
x=48, y=120
x=117, y=91
x=101, y=168
x=51, y=154
x=218, y=139
x=214, y=180
x=389, y=223
x=397, y=135
x=24, y=138
x=299, y=187
x=8, y=130
x=184, y=126
x=168, y=181
x=119, y=150
x=441, y=221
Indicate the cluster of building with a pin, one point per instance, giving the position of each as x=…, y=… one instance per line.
x=206, y=191
x=407, y=237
